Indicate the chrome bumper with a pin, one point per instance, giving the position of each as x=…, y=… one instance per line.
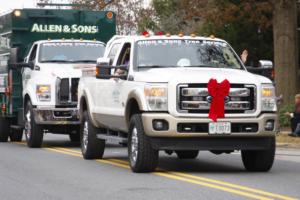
x=56, y=116
x=173, y=123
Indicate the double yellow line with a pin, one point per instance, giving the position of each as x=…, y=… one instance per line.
x=188, y=178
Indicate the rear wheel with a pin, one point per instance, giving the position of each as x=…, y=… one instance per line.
x=142, y=157
x=260, y=161
x=33, y=132
x=4, y=129
x=16, y=135
x=190, y=154
x=91, y=146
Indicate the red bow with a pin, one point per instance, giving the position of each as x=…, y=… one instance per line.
x=218, y=91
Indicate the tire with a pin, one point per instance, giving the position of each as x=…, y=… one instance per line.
x=4, y=129
x=16, y=135
x=142, y=157
x=190, y=154
x=259, y=161
x=91, y=146
x=33, y=132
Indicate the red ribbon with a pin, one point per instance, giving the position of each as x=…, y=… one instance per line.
x=218, y=91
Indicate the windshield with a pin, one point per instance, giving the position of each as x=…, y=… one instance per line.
x=71, y=52
x=185, y=53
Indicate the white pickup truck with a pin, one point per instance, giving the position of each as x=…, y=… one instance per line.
x=50, y=76
x=152, y=92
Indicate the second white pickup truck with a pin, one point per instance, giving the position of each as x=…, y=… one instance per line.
x=156, y=93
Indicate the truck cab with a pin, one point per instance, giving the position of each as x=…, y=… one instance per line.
x=161, y=92
x=43, y=53
x=50, y=76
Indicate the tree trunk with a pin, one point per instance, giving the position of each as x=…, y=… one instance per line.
x=286, y=49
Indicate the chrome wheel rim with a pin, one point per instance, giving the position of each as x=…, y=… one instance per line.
x=27, y=128
x=134, y=145
x=85, y=135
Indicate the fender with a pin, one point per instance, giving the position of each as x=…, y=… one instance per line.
x=86, y=95
x=139, y=97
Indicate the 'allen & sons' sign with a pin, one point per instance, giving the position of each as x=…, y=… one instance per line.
x=75, y=28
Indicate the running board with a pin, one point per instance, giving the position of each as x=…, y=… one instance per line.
x=117, y=139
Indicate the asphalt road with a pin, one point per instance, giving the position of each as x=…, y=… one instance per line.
x=57, y=171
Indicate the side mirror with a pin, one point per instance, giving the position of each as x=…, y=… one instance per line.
x=265, y=68
x=103, y=61
x=266, y=64
x=105, y=72
x=15, y=66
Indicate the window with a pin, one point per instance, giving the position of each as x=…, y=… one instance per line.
x=124, y=58
x=33, y=54
x=113, y=52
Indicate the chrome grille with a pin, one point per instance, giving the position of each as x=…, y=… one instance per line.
x=194, y=98
x=67, y=89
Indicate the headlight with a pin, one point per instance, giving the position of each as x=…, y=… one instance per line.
x=268, y=98
x=157, y=97
x=43, y=92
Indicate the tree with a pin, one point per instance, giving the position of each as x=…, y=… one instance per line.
x=286, y=49
x=174, y=16
x=245, y=24
x=128, y=12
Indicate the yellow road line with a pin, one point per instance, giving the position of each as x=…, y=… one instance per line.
x=164, y=174
x=240, y=187
x=183, y=177
x=248, y=189
x=241, y=193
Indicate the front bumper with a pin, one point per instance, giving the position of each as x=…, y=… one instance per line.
x=174, y=123
x=56, y=116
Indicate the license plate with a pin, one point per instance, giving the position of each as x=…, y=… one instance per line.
x=220, y=128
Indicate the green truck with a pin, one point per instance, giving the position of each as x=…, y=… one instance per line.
x=43, y=54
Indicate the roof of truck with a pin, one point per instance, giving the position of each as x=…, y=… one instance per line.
x=68, y=40
x=159, y=37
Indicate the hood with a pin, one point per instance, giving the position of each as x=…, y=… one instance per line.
x=63, y=70
x=198, y=75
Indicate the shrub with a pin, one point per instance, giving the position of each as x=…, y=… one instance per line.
x=283, y=120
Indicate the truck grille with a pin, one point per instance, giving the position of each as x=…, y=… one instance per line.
x=194, y=98
x=67, y=90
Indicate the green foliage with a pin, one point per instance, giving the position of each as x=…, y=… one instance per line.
x=284, y=121
x=244, y=24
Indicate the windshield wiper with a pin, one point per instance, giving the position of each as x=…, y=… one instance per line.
x=208, y=66
x=56, y=61
x=84, y=61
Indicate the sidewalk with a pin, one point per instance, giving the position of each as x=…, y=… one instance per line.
x=284, y=140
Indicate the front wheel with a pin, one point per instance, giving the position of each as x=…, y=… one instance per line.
x=91, y=146
x=260, y=161
x=4, y=129
x=191, y=154
x=33, y=132
x=142, y=157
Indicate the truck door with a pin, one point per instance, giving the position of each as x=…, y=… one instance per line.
x=103, y=89
x=112, y=103
x=119, y=89
x=26, y=72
